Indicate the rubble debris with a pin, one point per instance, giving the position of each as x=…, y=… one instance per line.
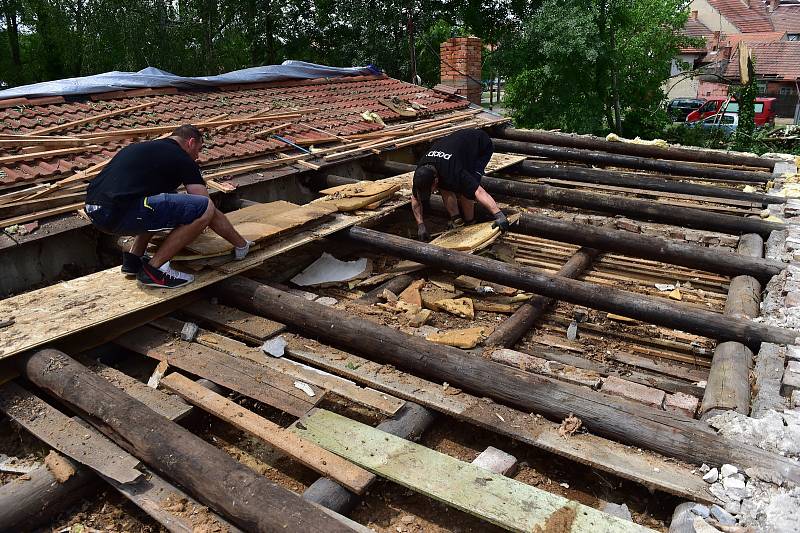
x=158, y=373
x=620, y=511
x=327, y=270
x=496, y=461
x=772, y=432
x=305, y=388
x=327, y=300
x=411, y=294
x=189, y=331
x=633, y=391
x=467, y=338
x=711, y=476
x=569, y=426
x=276, y=346
x=460, y=307
x=58, y=466
x=722, y=516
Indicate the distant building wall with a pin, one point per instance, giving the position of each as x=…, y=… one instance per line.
x=711, y=18
x=711, y=89
x=681, y=86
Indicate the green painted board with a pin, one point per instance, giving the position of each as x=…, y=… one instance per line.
x=497, y=499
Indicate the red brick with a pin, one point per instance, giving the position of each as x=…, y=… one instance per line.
x=633, y=391
x=681, y=403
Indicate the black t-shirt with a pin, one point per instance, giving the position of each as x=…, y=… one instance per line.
x=460, y=159
x=143, y=169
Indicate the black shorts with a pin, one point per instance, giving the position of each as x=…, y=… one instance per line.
x=156, y=213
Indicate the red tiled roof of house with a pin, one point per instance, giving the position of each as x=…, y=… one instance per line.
x=333, y=105
x=695, y=28
x=760, y=37
x=786, y=18
x=748, y=18
x=778, y=60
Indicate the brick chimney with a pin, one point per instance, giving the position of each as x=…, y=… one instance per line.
x=461, y=66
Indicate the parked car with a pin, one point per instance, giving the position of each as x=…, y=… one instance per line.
x=679, y=108
x=764, y=108
x=726, y=122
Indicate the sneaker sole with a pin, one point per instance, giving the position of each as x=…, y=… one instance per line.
x=157, y=286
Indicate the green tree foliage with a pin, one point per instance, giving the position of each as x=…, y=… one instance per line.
x=593, y=65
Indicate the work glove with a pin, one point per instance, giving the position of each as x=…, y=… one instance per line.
x=422, y=233
x=500, y=221
x=455, y=222
x=240, y=253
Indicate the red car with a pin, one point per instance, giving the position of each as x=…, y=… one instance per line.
x=765, y=110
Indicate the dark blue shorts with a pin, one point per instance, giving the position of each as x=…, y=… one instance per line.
x=160, y=212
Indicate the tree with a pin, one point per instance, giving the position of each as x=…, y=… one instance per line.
x=589, y=66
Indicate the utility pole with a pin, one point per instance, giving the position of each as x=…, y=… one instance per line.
x=412, y=50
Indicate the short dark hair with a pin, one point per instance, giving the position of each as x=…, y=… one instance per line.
x=188, y=131
x=424, y=177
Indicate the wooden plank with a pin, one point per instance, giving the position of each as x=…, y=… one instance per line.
x=234, y=321
x=256, y=223
x=305, y=452
x=167, y=405
x=49, y=154
x=495, y=498
x=93, y=118
x=170, y=506
x=65, y=434
x=22, y=219
x=624, y=461
x=367, y=397
x=240, y=375
x=55, y=312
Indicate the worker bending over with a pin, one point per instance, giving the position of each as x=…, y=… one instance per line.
x=455, y=165
x=135, y=194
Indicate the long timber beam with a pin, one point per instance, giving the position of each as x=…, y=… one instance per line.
x=588, y=142
x=248, y=499
x=661, y=431
x=638, y=181
x=657, y=311
x=716, y=260
x=559, y=153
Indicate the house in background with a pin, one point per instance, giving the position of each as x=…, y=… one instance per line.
x=771, y=30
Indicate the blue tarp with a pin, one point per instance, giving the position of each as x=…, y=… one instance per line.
x=152, y=77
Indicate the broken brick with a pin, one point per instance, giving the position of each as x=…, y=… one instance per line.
x=633, y=391
x=681, y=403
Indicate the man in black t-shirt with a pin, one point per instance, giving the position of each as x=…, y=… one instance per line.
x=135, y=194
x=454, y=165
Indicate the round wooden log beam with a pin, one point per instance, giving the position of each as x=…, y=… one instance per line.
x=514, y=327
x=26, y=504
x=649, y=210
x=637, y=181
x=667, y=433
x=208, y=473
x=633, y=207
x=659, y=311
x=558, y=153
x=717, y=260
x=589, y=142
x=728, y=386
x=606, y=177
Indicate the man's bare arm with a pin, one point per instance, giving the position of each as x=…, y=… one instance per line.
x=486, y=200
x=196, y=188
x=416, y=208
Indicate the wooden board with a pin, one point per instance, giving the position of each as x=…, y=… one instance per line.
x=306, y=452
x=365, y=396
x=495, y=498
x=85, y=445
x=166, y=405
x=605, y=455
x=234, y=321
x=58, y=311
x=255, y=223
x=360, y=189
x=154, y=494
x=246, y=377
x=64, y=309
